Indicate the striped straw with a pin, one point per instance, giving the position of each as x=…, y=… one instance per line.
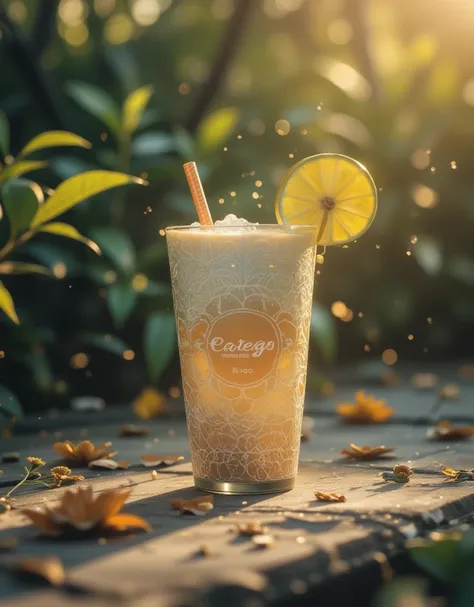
x=197, y=193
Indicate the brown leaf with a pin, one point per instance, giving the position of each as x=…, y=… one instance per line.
x=130, y=430
x=48, y=568
x=402, y=469
x=84, y=452
x=198, y=506
x=109, y=464
x=151, y=461
x=459, y=475
x=329, y=497
x=366, y=452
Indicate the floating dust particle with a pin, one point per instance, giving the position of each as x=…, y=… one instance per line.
x=346, y=246
x=320, y=259
x=320, y=106
x=428, y=151
x=389, y=357
x=259, y=205
x=184, y=88
x=414, y=239
x=225, y=149
x=271, y=265
x=255, y=195
x=377, y=246
x=79, y=360
x=429, y=320
x=128, y=355
x=454, y=164
x=174, y=392
x=339, y=309
x=258, y=183
x=239, y=136
x=244, y=503
x=162, y=233
x=233, y=194
x=171, y=432
x=104, y=136
x=367, y=348
x=298, y=587
x=232, y=265
x=360, y=314
x=291, y=155
x=282, y=127
x=304, y=131
x=411, y=337
x=408, y=253
x=2, y=353
x=433, y=169
x=221, y=201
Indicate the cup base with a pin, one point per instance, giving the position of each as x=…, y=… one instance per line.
x=238, y=488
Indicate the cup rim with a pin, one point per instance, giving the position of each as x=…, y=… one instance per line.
x=253, y=226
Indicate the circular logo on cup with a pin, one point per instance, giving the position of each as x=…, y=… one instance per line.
x=243, y=347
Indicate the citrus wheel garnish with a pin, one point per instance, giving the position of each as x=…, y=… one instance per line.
x=333, y=193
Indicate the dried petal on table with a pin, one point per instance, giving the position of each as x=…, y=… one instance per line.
x=149, y=403
x=251, y=529
x=154, y=475
x=83, y=453
x=445, y=430
x=401, y=474
x=365, y=410
x=366, y=452
x=459, y=475
x=424, y=381
x=450, y=392
x=110, y=464
x=82, y=512
x=263, y=541
x=11, y=457
x=198, y=506
x=150, y=461
x=130, y=430
x=329, y=497
x=49, y=569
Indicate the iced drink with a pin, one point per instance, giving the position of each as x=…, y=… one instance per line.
x=242, y=299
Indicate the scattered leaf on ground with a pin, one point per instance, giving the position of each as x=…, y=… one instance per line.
x=366, y=452
x=109, y=464
x=329, y=497
x=459, y=475
x=83, y=453
x=151, y=461
x=445, y=431
x=199, y=506
x=365, y=410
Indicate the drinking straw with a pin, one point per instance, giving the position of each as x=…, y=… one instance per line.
x=197, y=193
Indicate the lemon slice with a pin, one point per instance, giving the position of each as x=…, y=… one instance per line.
x=333, y=193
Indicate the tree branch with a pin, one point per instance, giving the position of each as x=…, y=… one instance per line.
x=229, y=44
x=357, y=14
x=27, y=62
x=44, y=24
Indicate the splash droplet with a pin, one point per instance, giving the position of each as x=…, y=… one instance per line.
x=414, y=239
x=454, y=164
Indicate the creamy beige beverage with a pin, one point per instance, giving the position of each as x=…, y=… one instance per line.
x=242, y=298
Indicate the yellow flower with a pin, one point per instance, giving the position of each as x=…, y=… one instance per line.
x=459, y=475
x=81, y=512
x=84, y=452
x=36, y=462
x=63, y=474
x=365, y=410
x=366, y=452
x=149, y=403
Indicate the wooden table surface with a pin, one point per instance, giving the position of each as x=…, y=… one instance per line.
x=314, y=541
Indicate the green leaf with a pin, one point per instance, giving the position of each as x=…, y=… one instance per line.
x=77, y=189
x=9, y=405
x=21, y=199
x=97, y=102
x=20, y=267
x=109, y=343
x=152, y=143
x=216, y=128
x=323, y=331
x=134, y=106
x=4, y=134
x=427, y=253
x=121, y=300
x=117, y=246
x=20, y=168
x=160, y=343
x=68, y=231
x=7, y=305
x=53, y=139
x=439, y=559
